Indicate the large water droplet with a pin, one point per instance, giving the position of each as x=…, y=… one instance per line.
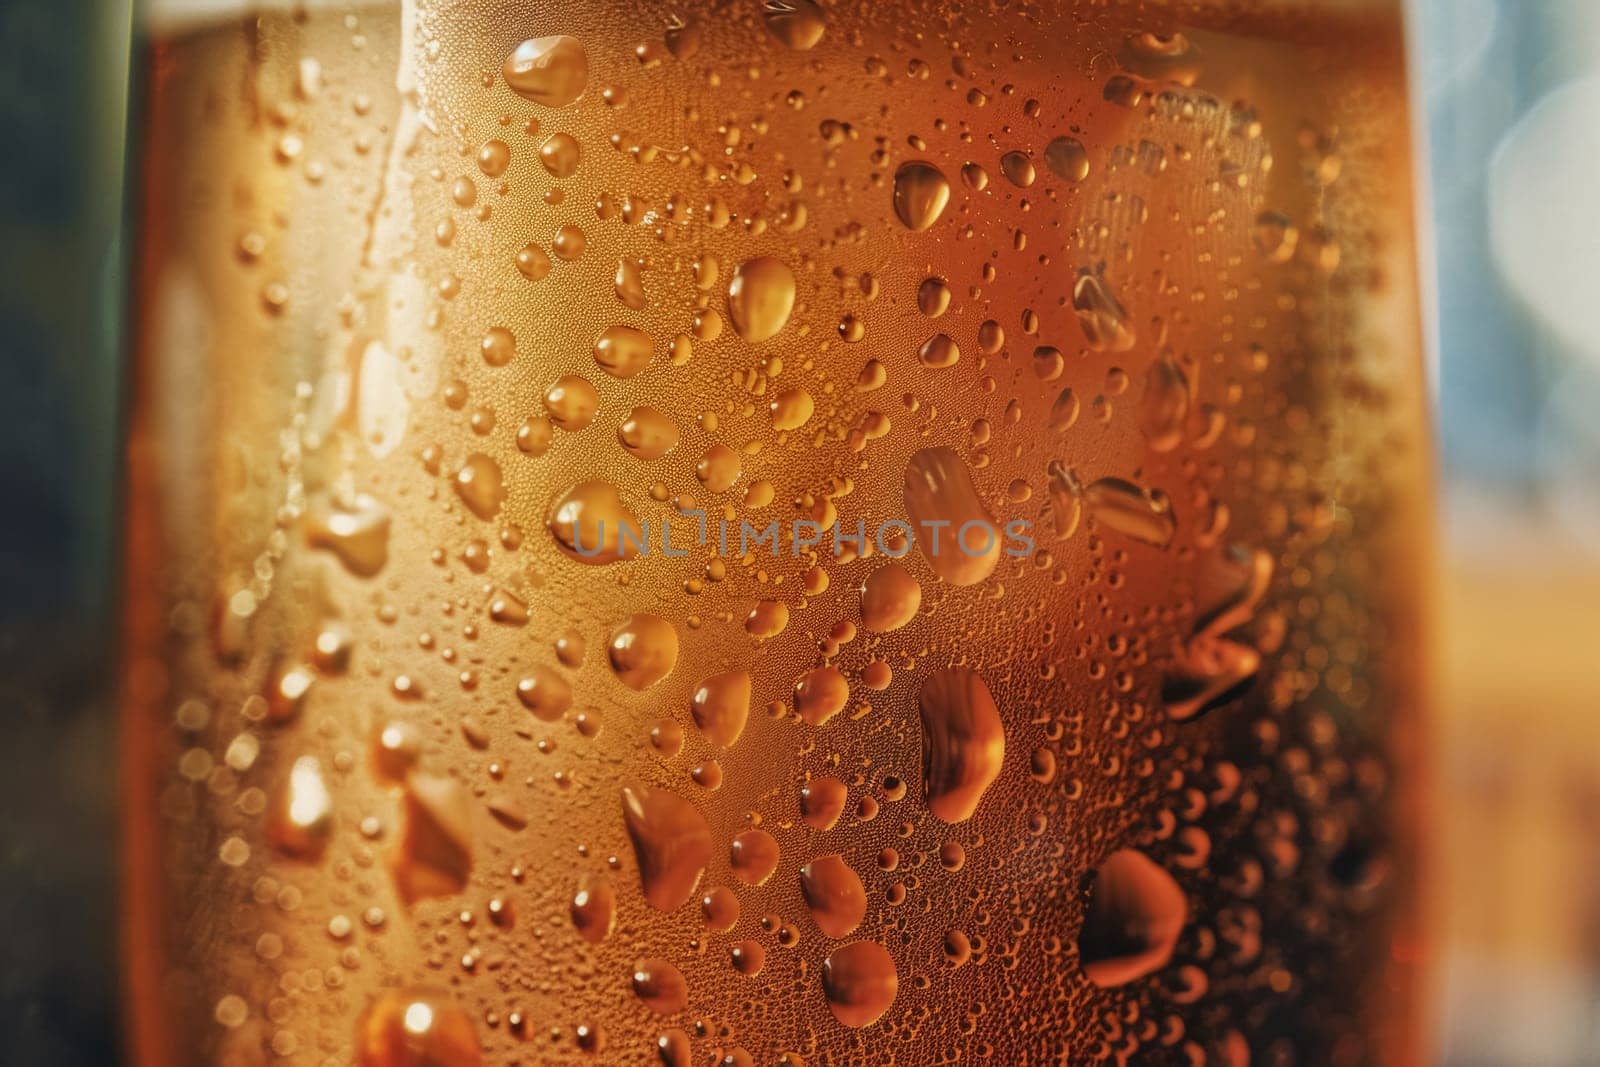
x=952, y=527
x=416, y=1028
x=890, y=598
x=1135, y=914
x=480, y=485
x=753, y=856
x=797, y=23
x=963, y=742
x=623, y=351
x=721, y=704
x=820, y=694
x=357, y=533
x=822, y=802
x=921, y=192
x=552, y=71
x=671, y=844
x=592, y=525
x=660, y=986
x=1165, y=403
x=760, y=298
x=860, y=982
x=643, y=650
x=1067, y=159
x=1100, y=313
x=435, y=853
x=835, y=895
x=1140, y=513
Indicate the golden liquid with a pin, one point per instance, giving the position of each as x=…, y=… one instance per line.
x=412, y=782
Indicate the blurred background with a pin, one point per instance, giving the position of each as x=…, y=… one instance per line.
x=1510, y=94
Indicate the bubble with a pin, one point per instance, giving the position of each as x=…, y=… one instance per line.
x=963, y=742
x=921, y=192
x=552, y=71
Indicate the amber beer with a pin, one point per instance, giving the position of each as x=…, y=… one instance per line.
x=540, y=649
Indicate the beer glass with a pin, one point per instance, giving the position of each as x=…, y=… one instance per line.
x=775, y=532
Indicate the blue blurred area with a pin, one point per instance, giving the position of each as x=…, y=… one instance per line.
x=63, y=87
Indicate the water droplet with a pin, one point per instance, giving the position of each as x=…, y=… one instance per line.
x=572, y=402
x=860, y=982
x=623, y=351
x=760, y=298
x=721, y=705
x=416, y=1028
x=494, y=157
x=561, y=155
x=435, y=853
x=939, y=352
x=921, y=192
x=952, y=528
x=890, y=598
x=647, y=433
x=552, y=71
x=797, y=23
x=822, y=801
x=594, y=908
x=1067, y=159
x=1018, y=169
x=1142, y=514
x=718, y=469
x=660, y=986
x=1165, y=403
x=629, y=284
x=1135, y=914
x=1209, y=668
x=301, y=817
x=963, y=742
x=933, y=297
x=588, y=522
x=480, y=486
x=545, y=693
x=643, y=650
x=357, y=533
x=671, y=844
x=835, y=895
x=753, y=856
x=1104, y=321
x=720, y=909
x=792, y=409
x=820, y=694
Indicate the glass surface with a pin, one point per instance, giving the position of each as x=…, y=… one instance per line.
x=426, y=766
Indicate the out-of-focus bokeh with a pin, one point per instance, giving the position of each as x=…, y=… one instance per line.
x=63, y=91
x=1511, y=95
x=1511, y=90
